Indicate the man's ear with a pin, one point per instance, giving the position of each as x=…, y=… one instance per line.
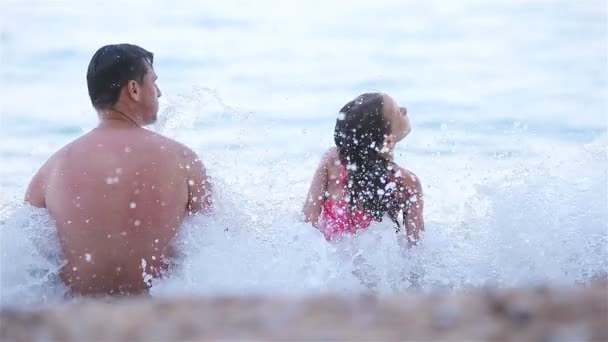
x=133, y=90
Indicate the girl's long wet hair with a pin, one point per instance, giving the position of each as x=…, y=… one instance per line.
x=359, y=135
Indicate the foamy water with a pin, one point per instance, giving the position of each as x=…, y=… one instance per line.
x=507, y=101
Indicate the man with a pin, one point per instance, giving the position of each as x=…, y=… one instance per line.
x=119, y=193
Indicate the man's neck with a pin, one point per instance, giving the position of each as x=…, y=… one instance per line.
x=117, y=117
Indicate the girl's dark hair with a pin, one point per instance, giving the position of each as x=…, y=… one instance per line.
x=359, y=135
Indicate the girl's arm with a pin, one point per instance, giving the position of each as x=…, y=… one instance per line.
x=413, y=210
x=316, y=195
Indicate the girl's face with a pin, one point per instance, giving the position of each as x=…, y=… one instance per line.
x=397, y=118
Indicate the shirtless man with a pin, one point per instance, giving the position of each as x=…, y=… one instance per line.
x=119, y=193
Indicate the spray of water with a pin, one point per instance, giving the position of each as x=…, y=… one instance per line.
x=489, y=221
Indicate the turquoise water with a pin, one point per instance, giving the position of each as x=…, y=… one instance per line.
x=507, y=100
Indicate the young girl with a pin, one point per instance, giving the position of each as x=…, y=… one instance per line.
x=357, y=181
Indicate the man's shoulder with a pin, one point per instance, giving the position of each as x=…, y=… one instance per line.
x=64, y=151
x=147, y=141
x=167, y=144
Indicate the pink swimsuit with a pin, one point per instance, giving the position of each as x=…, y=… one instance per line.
x=337, y=218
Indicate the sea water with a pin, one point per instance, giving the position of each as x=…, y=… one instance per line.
x=507, y=99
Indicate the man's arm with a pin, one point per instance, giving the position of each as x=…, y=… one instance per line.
x=315, y=197
x=35, y=194
x=199, y=185
x=413, y=206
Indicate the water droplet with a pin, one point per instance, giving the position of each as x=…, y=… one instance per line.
x=127, y=149
x=132, y=205
x=136, y=223
x=74, y=268
x=87, y=257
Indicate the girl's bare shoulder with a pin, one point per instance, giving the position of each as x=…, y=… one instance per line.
x=407, y=179
x=331, y=157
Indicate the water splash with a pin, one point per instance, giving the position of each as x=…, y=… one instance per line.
x=539, y=217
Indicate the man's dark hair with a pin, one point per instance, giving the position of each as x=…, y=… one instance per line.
x=111, y=68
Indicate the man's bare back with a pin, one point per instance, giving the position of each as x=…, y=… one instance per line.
x=118, y=195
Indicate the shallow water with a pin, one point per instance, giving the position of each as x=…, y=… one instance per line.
x=508, y=103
